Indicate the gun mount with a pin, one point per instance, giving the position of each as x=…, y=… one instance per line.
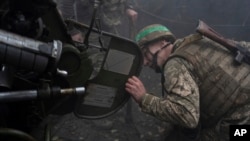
x=43, y=71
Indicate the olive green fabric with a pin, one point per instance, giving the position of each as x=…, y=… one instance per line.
x=113, y=10
x=222, y=82
x=203, y=87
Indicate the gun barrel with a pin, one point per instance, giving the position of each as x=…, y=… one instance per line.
x=39, y=94
x=209, y=32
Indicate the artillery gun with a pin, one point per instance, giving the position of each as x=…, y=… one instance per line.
x=43, y=71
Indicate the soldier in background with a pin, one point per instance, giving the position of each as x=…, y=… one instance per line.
x=204, y=91
x=111, y=12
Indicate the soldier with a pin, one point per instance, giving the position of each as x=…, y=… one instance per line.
x=110, y=12
x=204, y=91
x=113, y=11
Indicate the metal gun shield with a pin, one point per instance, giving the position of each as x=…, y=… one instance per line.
x=105, y=92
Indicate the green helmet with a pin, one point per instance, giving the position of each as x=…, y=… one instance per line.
x=153, y=32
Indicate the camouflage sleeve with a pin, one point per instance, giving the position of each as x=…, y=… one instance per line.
x=181, y=105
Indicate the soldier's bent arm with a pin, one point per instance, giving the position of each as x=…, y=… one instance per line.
x=180, y=105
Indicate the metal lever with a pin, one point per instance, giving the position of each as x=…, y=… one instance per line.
x=40, y=94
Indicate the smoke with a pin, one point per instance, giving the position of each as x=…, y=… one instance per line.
x=228, y=17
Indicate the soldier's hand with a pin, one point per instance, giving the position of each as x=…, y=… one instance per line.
x=132, y=14
x=135, y=88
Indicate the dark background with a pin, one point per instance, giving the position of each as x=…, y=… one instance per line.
x=228, y=17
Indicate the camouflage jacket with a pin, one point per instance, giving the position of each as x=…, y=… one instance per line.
x=183, y=105
x=113, y=11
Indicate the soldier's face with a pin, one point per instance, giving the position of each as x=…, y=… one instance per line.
x=155, y=54
x=78, y=37
x=149, y=53
x=148, y=56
